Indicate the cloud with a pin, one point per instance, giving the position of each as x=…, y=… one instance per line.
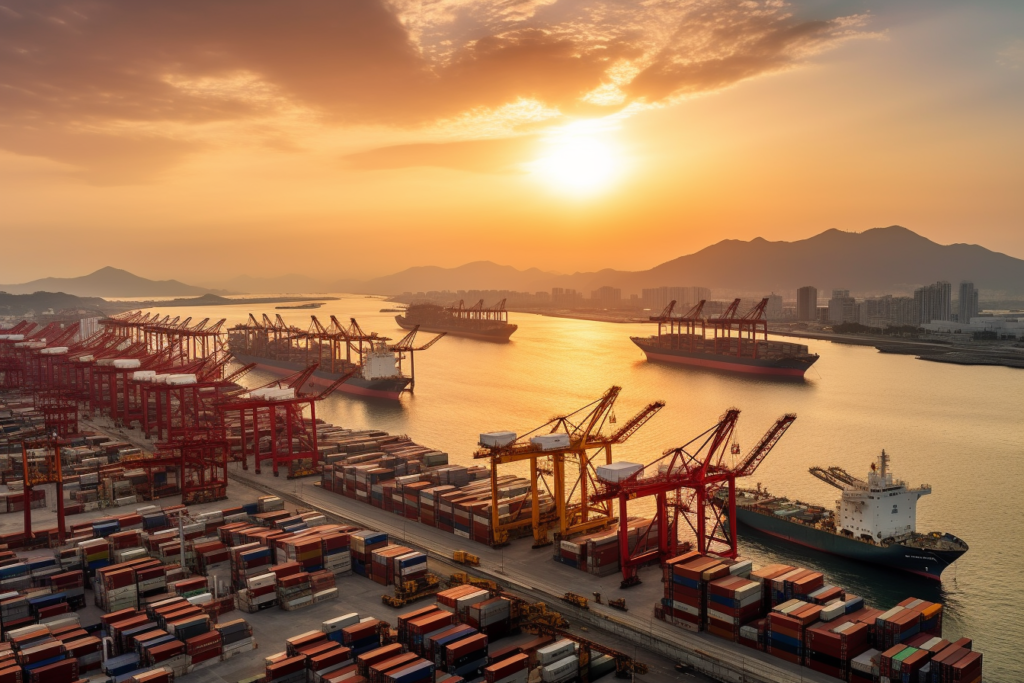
x=482, y=156
x=159, y=80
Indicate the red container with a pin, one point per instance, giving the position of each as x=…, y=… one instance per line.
x=506, y=667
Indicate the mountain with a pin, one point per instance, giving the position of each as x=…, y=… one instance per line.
x=476, y=275
x=891, y=260
x=292, y=283
x=107, y=282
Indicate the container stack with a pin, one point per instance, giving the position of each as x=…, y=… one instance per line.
x=260, y=592
x=491, y=617
x=382, y=564
x=785, y=626
x=361, y=637
x=235, y=637
x=831, y=647
x=558, y=662
x=418, y=630
x=733, y=602
x=686, y=578
x=362, y=544
x=434, y=644
x=466, y=657
x=513, y=669
x=294, y=591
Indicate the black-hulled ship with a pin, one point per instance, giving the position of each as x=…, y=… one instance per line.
x=874, y=521
x=476, y=322
x=284, y=350
x=726, y=342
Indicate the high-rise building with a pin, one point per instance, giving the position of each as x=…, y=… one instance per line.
x=934, y=302
x=967, y=307
x=657, y=298
x=610, y=297
x=807, y=303
x=773, y=311
x=842, y=308
x=566, y=298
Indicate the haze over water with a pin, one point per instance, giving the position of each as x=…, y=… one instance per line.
x=957, y=428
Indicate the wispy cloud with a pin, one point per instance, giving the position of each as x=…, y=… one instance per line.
x=124, y=89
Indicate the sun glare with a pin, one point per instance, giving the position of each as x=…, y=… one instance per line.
x=577, y=160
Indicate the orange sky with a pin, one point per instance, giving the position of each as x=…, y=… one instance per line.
x=352, y=139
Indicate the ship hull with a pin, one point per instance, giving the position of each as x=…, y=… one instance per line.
x=499, y=335
x=390, y=388
x=786, y=367
x=926, y=563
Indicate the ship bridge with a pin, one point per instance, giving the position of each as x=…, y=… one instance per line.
x=878, y=508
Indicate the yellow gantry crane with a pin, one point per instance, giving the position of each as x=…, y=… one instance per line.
x=579, y=443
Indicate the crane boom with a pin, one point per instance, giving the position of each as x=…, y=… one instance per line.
x=765, y=445
x=838, y=477
x=636, y=422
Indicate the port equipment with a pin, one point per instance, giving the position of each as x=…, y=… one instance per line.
x=574, y=510
x=41, y=465
x=278, y=413
x=462, y=557
x=410, y=591
x=576, y=600
x=683, y=481
x=495, y=313
x=407, y=344
x=618, y=603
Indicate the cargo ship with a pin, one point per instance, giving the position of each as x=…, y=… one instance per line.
x=874, y=521
x=726, y=342
x=285, y=350
x=476, y=322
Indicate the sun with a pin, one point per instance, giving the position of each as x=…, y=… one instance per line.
x=577, y=160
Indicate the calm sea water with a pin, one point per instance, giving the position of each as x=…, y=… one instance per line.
x=960, y=429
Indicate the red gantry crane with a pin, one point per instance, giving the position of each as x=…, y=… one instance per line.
x=686, y=479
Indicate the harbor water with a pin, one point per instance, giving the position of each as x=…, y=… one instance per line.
x=958, y=428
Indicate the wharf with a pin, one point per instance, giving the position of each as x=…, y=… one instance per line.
x=534, y=575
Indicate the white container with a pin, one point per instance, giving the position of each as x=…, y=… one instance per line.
x=54, y=351
x=497, y=439
x=562, y=670
x=338, y=623
x=127, y=363
x=550, y=442
x=555, y=651
x=618, y=471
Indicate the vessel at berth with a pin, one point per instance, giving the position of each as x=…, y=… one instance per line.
x=874, y=521
x=279, y=348
x=726, y=342
x=476, y=322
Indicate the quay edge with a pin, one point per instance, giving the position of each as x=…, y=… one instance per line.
x=711, y=656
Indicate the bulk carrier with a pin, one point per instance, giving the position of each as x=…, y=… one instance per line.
x=476, y=322
x=874, y=521
x=282, y=349
x=685, y=340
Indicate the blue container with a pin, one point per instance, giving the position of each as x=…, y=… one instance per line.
x=14, y=570
x=416, y=672
x=780, y=638
x=45, y=562
x=51, y=660
x=47, y=600
x=683, y=581
x=251, y=508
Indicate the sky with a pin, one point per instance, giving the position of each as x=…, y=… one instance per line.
x=349, y=139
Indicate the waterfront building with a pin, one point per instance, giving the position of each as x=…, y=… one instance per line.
x=842, y=308
x=967, y=303
x=807, y=303
x=934, y=302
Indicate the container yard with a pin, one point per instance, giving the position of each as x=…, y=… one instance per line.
x=160, y=532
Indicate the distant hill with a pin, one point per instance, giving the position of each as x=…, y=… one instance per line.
x=107, y=282
x=476, y=275
x=40, y=302
x=881, y=260
x=291, y=283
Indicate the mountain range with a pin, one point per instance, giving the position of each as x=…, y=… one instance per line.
x=108, y=282
x=880, y=260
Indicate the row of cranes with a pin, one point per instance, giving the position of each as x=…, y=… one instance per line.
x=173, y=380
x=335, y=347
x=589, y=495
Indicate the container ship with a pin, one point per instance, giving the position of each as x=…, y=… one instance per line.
x=476, y=322
x=874, y=521
x=726, y=342
x=284, y=350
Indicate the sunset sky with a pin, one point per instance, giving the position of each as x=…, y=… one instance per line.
x=354, y=138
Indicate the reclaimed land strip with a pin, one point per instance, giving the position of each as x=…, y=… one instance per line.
x=709, y=655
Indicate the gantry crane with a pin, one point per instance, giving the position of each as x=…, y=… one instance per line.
x=585, y=444
x=41, y=465
x=691, y=475
x=407, y=344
